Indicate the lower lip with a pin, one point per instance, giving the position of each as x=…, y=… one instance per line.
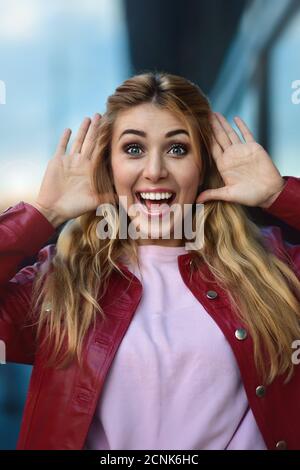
x=159, y=213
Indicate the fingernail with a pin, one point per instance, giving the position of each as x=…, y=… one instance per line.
x=97, y=116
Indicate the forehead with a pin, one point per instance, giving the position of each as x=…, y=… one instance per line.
x=149, y=118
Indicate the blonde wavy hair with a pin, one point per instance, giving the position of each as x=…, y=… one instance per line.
x=262, y=287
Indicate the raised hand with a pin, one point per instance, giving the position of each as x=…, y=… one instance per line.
x=249, y=175
x=66, y=190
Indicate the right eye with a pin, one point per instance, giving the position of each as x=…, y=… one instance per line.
x=135, y=147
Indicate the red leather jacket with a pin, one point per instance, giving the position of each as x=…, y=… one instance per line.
x=61, y=403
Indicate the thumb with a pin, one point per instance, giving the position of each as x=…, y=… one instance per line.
x=213, y=195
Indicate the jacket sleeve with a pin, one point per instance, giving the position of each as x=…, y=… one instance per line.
x=287, y=208
x=23, y=232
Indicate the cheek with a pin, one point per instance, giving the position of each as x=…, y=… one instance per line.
x=123, y=174
x=188, y=178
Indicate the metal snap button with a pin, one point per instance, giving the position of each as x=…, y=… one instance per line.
x=260, y=391
x=211, y=294
x=281, y=445
x=240, y=333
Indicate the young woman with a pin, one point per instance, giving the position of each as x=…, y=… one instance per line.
x=137, y=342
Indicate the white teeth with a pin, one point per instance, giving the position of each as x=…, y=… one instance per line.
x=155, y=196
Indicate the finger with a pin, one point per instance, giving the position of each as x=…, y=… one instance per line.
x=79, y=139
x=216, y=149
x=63, y=142
x=90, y=139
x=220, y=133
x=231, y=133
x=245, y=131
x=219, y=194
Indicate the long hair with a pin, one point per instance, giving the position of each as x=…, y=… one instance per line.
x=262, y=287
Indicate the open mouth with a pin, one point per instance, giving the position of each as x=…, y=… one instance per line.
x=153, y=201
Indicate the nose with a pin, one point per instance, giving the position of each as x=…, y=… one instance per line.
x=155, y=168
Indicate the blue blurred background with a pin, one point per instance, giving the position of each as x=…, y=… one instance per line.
x=60, y=60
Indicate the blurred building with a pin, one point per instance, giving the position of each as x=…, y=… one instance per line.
x=260, y=81
x=59, y=61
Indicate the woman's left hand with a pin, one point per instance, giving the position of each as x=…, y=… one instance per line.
x=250, y=176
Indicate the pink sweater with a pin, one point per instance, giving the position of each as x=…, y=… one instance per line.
x=174, y=382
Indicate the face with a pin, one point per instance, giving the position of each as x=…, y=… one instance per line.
x=152, y=159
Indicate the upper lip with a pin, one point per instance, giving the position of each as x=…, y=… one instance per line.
x=155, y=190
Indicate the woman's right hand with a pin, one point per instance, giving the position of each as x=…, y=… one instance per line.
x=66, y=190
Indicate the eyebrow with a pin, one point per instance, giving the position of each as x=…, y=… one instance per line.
x=143, y=134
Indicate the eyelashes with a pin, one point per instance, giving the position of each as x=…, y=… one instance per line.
x=184, y=148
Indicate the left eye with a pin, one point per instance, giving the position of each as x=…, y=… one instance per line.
x=179, y=146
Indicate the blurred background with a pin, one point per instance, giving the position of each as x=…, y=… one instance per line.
x=60, y=60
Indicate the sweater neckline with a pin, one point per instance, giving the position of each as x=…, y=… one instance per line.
x=159, y=251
